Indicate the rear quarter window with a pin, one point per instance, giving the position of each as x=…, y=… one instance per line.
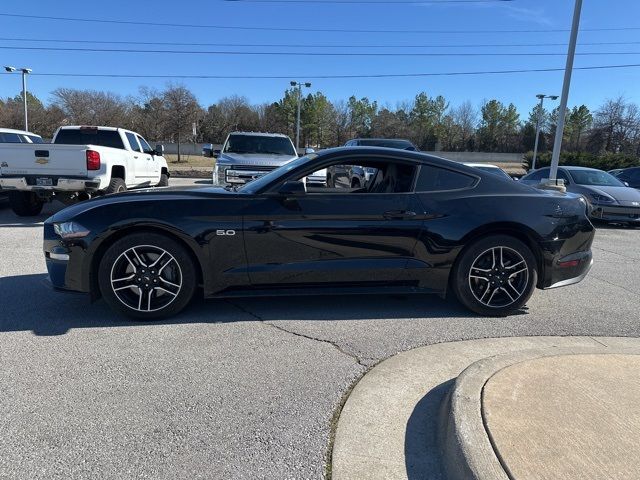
x=436, y=179
x=90, y=136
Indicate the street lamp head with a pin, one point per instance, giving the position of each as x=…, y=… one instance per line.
x=308, y=85
x=541, y=96
x=554, y=97
x=9, y=69
x=294, y=84
x=26, y=70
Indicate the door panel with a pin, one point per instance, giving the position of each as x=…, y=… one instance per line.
x=331, y=237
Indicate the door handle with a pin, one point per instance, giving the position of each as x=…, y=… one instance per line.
x=135, y=156
x=399, y=214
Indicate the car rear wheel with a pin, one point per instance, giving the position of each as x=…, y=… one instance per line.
x=116, y=185
x=25, y=204
x=495, y=276
x=147, y=276
x=164, y=180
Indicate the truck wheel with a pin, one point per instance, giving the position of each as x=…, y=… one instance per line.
x=164, y=180
x=25, y=204
x=116, y=185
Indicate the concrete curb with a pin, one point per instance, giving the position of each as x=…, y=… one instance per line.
x=468, y=452
x=392, y=424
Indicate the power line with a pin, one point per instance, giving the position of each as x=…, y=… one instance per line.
x=317, y=54
x=298, y=45
x=304, y=29
x=320, y=77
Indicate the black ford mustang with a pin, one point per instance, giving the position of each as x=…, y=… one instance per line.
x=422, y=224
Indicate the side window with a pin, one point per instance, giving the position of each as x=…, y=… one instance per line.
x=35, y=139
x=635, y=175
x=10, y=138
x=133, y=142
x=436, y=179
x=145, y=146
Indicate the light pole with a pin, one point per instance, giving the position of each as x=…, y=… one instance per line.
x=555, y=159
x=25, y=72
x=299, y=86
x=539, y=120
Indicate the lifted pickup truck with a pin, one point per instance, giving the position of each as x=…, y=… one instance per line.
x=80, y=163
x=246, y=156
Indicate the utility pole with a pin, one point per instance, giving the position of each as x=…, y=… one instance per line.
x=299, y=86
x=25, y=72
x=555, y=160
x=538, y=122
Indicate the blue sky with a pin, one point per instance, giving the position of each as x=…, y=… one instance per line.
x=589, y=87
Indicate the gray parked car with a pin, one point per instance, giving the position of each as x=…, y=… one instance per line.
x=610, y=199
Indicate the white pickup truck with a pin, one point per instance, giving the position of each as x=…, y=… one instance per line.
x=81, y=162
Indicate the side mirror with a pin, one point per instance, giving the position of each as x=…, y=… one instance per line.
x=307, y=151
x=159, y=150
x=293, y=187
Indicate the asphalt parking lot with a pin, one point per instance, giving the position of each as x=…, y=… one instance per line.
x=231, y=389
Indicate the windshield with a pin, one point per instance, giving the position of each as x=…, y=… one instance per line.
x=259, y=144
x=258, y=184
x=595, y=178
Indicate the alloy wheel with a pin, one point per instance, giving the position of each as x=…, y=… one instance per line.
x=499, y=277
x=146, y=278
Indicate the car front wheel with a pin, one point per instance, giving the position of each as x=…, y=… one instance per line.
x=147, y=276
x=495, y=276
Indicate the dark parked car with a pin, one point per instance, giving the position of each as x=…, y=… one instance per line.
x=630, y=176
x=610, y=199
x=423, y=225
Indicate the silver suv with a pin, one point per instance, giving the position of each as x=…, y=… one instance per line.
x=246, y=156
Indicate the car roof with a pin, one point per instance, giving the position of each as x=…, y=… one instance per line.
x=377, y=139
x=23, y=132
x=76, y=127
x=476, y=165
x=261, y=134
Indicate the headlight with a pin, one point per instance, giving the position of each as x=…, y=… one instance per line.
x=601, y=198
x=70, y=230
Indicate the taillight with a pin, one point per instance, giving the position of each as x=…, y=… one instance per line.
x=93, y=160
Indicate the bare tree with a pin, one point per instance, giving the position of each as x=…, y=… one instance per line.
x=182, y=110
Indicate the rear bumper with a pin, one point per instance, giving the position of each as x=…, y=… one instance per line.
x=61, y=184
x=570, y=270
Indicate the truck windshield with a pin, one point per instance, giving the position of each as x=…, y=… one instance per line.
x=90, y=136
x=259, y=144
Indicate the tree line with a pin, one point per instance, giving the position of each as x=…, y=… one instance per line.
x=431, y=122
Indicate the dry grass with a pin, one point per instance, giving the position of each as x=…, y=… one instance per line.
x=189, y=161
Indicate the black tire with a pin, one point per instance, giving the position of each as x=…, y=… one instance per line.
x=25, y=204
x=472, y=284
x=116, y=185
x=153, y=301
x=164, y=180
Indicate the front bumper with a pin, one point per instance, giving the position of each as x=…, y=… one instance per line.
x=61, y=184
x=65, y=262
x=613, y=213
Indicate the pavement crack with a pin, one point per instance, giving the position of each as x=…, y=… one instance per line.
x=335, y=345
x=614, y=284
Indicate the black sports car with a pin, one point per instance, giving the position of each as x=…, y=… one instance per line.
x=423, y=224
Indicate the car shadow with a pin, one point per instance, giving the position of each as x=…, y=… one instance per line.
x=422, y=446
x=10, y=219
x=29, y=304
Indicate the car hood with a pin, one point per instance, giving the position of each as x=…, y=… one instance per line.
x=255, y=159
x=623, y=195
x=165, y=194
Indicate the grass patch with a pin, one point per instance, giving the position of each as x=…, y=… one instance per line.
x=189, y=161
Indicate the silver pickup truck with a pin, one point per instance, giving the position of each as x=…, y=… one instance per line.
x=246, y=156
